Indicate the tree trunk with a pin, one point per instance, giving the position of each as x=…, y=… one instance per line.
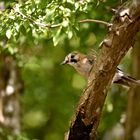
x=119, y=39
x=10, y=88
x=133, y=110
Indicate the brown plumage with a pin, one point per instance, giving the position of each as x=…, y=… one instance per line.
x=83, y=64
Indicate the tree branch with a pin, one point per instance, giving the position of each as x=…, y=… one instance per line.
x=85, y=124
x=95, y=21
x=43, y=25
x=136, y=2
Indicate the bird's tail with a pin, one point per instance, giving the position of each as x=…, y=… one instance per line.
x=129, y=81
x=121, y=78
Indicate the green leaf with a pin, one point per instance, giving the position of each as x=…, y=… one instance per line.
x=8, y=33
x=65, y=23
x=70, y=34
x=57, y=37
x=23, y=30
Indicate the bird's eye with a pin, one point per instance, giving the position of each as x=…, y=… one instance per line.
x=72, y=56
x=74, y=60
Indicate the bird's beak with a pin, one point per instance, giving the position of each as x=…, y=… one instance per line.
x=63, y=63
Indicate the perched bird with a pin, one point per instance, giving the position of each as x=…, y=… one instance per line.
x=83, y=64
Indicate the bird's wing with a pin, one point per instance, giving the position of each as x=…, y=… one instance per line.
x=122, y=78
x=92, y=56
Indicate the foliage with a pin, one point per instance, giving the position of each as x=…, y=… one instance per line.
x=34, y=19
x=29, y=30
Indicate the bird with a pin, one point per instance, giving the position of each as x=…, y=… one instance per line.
x=83, y=64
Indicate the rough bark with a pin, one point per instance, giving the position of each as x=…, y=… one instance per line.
x=10, y=88
x=125, y=25
x=133, y=110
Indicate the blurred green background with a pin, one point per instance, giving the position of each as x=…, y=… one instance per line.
x=51, y=91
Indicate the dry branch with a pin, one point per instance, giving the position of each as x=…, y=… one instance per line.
x=95, y=21
x=120, y=38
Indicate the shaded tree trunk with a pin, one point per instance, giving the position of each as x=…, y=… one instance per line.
x=119, y=39
x=133, y=111
x=10, y=88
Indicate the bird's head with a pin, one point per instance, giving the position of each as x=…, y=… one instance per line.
x=81, y=62
x=72, y=58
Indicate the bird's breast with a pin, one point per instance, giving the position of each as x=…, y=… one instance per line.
x=83, y=69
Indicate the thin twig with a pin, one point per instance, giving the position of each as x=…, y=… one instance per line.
x=95, y=21
x=43, y=25
x=17, y=10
